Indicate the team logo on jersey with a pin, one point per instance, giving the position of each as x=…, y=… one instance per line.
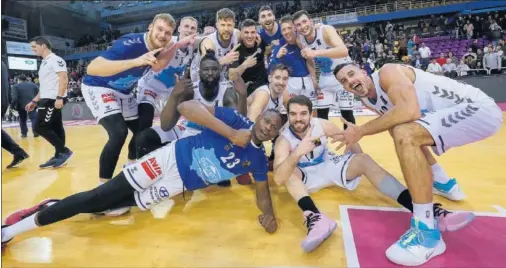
x=228, y=147
x=246, y=163
x=60, y=63
x=152, y=168
x=132, y=41
x=163, y=192
x=108, y=97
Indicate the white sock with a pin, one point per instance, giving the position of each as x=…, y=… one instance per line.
x=439, y=174
x=22, y=226
x=424, y=213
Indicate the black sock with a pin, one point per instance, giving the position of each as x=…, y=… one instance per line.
x=323, y=113
x=405, y=200
x=306, y=203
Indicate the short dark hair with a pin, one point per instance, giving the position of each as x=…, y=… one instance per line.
x=22, y=77
x=210, y=55
x=272, y=110
x=299, y=14
x=285, y=19
x=41, y=40
x=280, y=67
x=264, y=8
x=341, y=66
x=247, y=23
x=301, y=100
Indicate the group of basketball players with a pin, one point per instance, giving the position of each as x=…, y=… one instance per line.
x=225, y=123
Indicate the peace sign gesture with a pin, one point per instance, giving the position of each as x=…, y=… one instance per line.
x=350, y=136
x=308, y=143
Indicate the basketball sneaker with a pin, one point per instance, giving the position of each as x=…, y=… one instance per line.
x=450, y=190
x=17, y=216
x=319, y=228
x=417, y=246
x=451, y=221
x=4, y=243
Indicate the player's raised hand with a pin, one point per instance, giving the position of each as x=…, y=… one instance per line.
x=308, y=143
x=240, y=87
x=308, y=53
x=148, y=59
x=282, y=51
x=268, y=222
x=187, y=41
x=231, y=57
x=241, y=137
x=350, y=136
x=184, y=85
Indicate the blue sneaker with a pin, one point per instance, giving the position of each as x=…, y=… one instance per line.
x=49, y=164
x=449, y=190
x=417, y=246
x=62, y=159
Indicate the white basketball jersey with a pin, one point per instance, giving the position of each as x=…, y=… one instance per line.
x=217, y=101
x=317, y=156
x=274, y=103
x=164, y=81
x=326, y=65
x=434, y=92
x=219, y=50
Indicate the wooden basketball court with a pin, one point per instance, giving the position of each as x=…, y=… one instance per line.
x=215, y=227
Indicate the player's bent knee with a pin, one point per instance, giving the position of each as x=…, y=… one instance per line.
x=405, y=135
x=363, y=159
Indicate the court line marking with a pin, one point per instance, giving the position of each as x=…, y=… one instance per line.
x=348, y=238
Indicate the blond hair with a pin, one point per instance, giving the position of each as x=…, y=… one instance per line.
x=165, y=17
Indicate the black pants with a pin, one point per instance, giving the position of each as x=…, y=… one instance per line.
x=49, y=124
x=10, y=145
x=23, y=118
x=115, y=193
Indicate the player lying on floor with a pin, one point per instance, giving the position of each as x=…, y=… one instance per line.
x=304, y=164
x=229, y=146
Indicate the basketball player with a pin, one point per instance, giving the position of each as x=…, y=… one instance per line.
x=325, y=47
x=303, y=164
x=457, y=114
x=229, y=145
x=156, y=86
x=111, y=78
x=302, y=80
x=209, y=90
x=225, y=42
x=270, y=33
x=272, y=96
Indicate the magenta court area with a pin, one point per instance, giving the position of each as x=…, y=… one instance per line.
x=218, y=227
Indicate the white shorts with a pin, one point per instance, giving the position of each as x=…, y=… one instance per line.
x=301, y=86
x=151, y=96
x=333, y=94
x=329, y=173
x=462, y=124
x=167, y=136
x=155, y=177
x=104, y=101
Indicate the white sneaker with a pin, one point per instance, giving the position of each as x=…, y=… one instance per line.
x=449, y=190
x=417, y=246
x=116, y=212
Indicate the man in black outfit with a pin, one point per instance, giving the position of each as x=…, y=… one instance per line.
x=7, y=142
x=251, y=64
x=50, y=100
x=22, y=93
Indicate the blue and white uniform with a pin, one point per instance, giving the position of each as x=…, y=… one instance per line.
x=267, y=39
x=321, y=168
x=332, y=91
x=185, y=128
x=299, y=82
x=157, y=86
x=195, y=162
x=113, y=94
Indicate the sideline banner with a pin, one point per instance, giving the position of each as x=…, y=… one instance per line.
x=17, y=28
